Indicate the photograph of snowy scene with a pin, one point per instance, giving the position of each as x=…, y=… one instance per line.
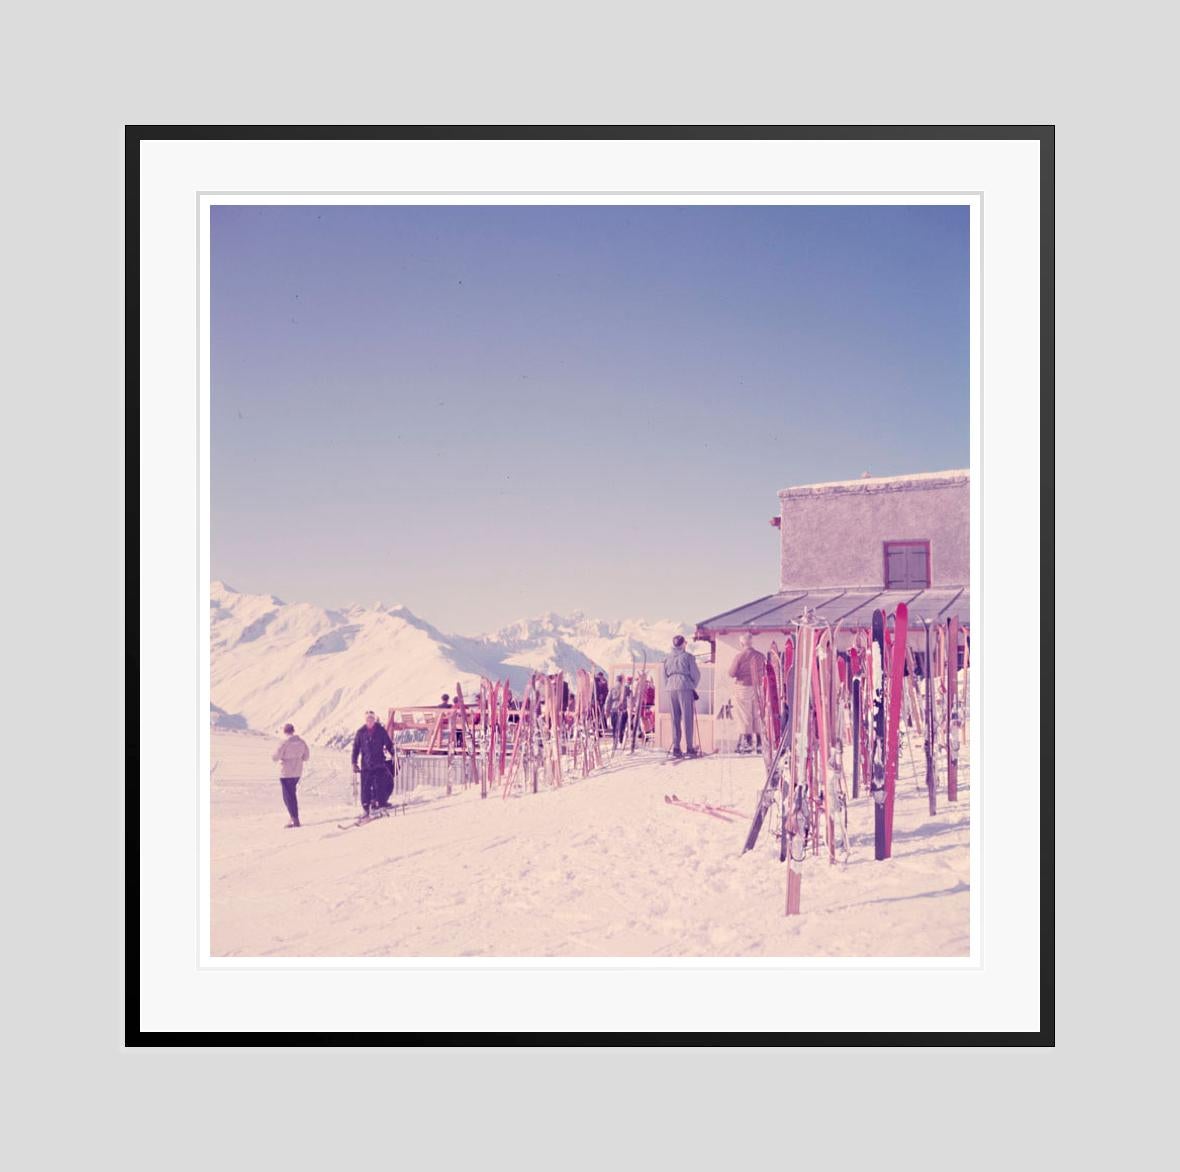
x=590, y=580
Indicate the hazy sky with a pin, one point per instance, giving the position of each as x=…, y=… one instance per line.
x=488, y=413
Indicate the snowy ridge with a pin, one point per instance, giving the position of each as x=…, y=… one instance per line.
x=321, y=669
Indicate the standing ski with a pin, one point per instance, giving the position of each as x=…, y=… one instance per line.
x=930, y=730
x=766, y=797
x=800, y=732
x=893, y=723
x=853, y=666
x=877, y=752
x=819, y=688
x=952, y=709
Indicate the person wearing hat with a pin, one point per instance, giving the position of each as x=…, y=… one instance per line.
x=290, y=755
x=616, y=710
x=747, y=672
x=681, y=676
x=369, y=746
x=601, y=691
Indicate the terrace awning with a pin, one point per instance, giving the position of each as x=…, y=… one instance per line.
x=851, y=607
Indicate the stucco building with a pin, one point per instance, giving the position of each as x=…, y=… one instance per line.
x=846, y=549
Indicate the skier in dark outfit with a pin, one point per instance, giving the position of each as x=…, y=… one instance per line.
x=370, y=744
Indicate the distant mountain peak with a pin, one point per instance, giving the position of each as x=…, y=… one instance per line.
x=219, y=587
x=321, y=669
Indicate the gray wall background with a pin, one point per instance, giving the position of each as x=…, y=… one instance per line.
x=75, y=75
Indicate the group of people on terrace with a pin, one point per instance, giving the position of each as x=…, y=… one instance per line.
x=373, y=750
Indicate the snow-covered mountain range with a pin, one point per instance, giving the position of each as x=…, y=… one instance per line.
x=321, y=669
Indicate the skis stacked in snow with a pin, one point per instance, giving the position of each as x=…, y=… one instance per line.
x=526, y=742
x=587, y=724
x=833, y=799
x=766, y=797
x=639, y=684
x=555, y=725
x=470, y=757
x=796, y=790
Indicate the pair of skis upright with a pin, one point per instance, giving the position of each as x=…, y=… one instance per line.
x=799, y=734
x=942, y=676
x=791, y=749
x=884, y=785
x=808, y=792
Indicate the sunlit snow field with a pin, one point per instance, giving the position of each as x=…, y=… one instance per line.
x=601, y=867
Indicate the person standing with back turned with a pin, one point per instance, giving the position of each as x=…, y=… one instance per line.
x=681, y=676
x=290, y=755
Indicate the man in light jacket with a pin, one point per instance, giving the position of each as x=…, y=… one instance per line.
x=681, y=676
x=290, y=755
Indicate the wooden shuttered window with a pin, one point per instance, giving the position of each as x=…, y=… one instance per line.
x=907, y=564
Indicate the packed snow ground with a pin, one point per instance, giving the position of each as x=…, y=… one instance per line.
x=602, y=867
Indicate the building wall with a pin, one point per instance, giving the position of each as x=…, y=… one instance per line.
x=833, y=534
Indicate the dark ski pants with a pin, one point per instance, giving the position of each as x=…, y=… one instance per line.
x=618, y=726
x=682, y=703
x=289, y=800
x=376, y=787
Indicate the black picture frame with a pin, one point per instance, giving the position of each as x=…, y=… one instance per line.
x=135, y=1036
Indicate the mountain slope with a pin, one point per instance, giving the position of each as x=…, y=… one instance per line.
x=321, y=669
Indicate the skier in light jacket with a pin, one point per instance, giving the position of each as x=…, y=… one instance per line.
x=290, y=755
x=681, y=676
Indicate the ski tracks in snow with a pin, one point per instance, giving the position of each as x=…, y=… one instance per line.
x=599, y=867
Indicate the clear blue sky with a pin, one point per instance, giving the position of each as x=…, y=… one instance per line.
x=489, y=412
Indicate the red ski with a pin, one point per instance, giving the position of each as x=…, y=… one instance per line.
x=772, y=706
x=702, y=808
x=952, y=706
x=893, y=723
x=468, y=747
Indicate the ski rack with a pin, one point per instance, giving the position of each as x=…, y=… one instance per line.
x=851, y=689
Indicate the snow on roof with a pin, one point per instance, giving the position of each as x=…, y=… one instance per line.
x=881, y=483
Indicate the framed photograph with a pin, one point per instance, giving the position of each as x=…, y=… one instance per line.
x=582, y=586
